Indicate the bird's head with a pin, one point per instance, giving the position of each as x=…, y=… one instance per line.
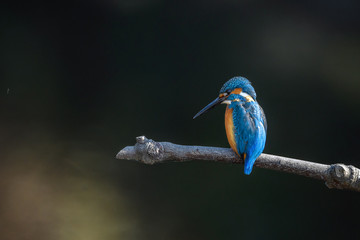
x=236, y=89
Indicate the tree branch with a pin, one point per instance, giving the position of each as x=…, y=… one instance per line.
x=147, y=151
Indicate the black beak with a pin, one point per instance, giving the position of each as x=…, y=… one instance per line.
x=209, y=106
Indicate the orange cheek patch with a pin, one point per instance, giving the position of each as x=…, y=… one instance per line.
x=237, y=91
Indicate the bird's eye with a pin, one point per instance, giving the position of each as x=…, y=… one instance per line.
x=225, y=94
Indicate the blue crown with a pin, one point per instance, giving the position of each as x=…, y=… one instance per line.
x=239, y=82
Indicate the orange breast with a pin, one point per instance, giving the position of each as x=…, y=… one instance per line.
x=229, y=127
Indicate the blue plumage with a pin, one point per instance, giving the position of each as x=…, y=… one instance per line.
x=245, y=124
x=239, y=82
x=249, y=130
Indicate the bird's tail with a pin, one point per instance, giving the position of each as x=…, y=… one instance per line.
x=249, y=163
x=248, y=169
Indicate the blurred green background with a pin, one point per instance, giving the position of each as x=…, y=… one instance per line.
x=81, y=79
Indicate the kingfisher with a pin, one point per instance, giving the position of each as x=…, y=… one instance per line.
x=245, y=121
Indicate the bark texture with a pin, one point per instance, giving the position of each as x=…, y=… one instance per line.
x=147, y=151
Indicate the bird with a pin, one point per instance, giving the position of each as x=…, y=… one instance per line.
x=245, y=121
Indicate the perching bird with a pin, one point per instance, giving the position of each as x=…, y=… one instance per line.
x=245, y=121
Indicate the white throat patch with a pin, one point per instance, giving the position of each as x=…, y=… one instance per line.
x=226, y=102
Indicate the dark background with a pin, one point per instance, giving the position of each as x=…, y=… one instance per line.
x=81, y=79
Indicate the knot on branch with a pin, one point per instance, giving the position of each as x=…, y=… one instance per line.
x=343, y=176
x=149, y=151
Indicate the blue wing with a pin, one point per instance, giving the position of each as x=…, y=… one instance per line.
x=263, y=118
x=250, y=131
